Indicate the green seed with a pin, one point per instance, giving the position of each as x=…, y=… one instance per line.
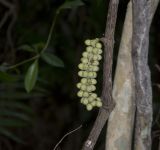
x=98, y=103
x=79, y=85
x=85, y=94
x=93, y=81
x=93, y=103
x=90, y=99
x=87, y=42
x=89, y=107
x=85, y=101
x=95, y=63
x=84, y=80
x=80, y=66
x=84, y=60
x=99, y=57
x=83, y=87
x=94, y=95
x=80, y=93
x=89, y=49
x=98, y=45
x=85, y=54
x=80, y=73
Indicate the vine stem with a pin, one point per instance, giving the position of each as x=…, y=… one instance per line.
x=108, y=103
x=23, y=62
x=51, y=31
x=45, y=47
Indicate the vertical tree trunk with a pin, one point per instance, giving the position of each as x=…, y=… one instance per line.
x=120, y=124
x=143, y=12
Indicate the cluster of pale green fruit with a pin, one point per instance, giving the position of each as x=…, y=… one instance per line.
x=88, y=72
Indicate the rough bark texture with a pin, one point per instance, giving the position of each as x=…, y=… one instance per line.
x=143, y=12
x=120, y=124
x=107, y=101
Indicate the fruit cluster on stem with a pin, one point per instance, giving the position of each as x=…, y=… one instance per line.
x=89, y=67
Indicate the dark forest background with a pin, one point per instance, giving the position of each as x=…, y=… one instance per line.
x=38, y=119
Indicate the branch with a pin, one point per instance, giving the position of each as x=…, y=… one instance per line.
x=108, y=103
x=143, y=13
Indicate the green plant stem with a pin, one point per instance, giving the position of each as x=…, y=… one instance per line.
x=23, y=62
x=46, y=44
x=51, y=31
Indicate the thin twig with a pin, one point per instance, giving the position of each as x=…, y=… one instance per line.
x=108, y=103
x=158, y=67
x=66, y=136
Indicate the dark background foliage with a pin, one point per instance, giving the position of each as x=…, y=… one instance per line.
x=38, y=120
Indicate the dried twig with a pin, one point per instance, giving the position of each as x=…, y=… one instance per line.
x=108, y=103
x=66, y=136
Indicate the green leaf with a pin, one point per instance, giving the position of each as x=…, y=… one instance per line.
x=12, y=113
x=31, y=76
x=7, y=122
x=10, y=135
x=16, y=105
x=52, y=60
x=71, y=4
x=5, y=77
x=39, y=46
x=27, y=48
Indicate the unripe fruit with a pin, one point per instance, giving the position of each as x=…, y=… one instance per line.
x=85, y=101
x=84, y=60
x=95, y=63
x=95, y=57
x=95, y=50
x=80, y=73
x=93, y=42
x=98, y=45
x=93, y=103
x=79, y=85
x=99, y=51
x=85, y=94
x=89, y=107
x=90, y=74
x=89, y=88
x=80, y=66
x=85, y=54
x=99, y=57
x=84, y=80
x=80, y=93
x=90, y=99
x=90, y=55
x=87, y=42
x=89, y=49
x=93, y=81
x=83, y=87
x=94, y=95
x=88, y=69
x=93, y=87
x=85, y=74
x=95, y=68
x=98, y=103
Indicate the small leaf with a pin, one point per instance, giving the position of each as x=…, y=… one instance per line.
x=52, y=60
x=5, y=77
x=27, y=48
x=31, y=76
x=71, y=4
x=6, y=122
x=10, y=135
x=39, y=46
x=12, y=113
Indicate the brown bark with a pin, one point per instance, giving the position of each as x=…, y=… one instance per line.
x=143, y=12
x=120, y=124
